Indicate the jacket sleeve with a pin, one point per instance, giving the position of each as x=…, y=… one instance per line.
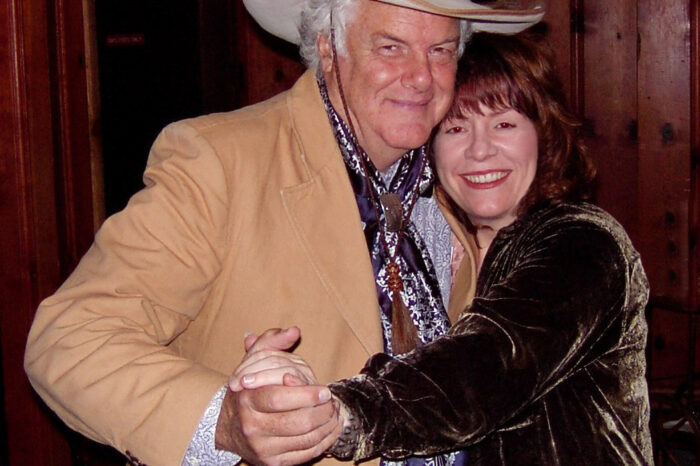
x=98, y=351
x=556, y=309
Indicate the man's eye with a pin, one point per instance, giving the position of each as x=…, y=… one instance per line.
x=389, y=49
x=443, y=54
x=443, y=51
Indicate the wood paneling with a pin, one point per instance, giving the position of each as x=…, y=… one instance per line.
x=28, y=258
x=268, y=65
x=45, y=196
x=610, y=104
x=664, y=145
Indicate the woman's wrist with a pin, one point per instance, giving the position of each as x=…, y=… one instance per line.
x=344, y=447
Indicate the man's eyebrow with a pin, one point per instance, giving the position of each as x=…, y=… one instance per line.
x=388, y=36
x=452, y=40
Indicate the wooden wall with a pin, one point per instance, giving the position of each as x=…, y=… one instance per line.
x=630, y=68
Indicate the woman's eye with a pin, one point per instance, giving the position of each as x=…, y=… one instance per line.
x=453, y=129
x=505, y=124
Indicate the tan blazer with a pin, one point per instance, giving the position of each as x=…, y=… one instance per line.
x=247, y=221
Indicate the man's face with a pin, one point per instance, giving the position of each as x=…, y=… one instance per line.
x=398, y=76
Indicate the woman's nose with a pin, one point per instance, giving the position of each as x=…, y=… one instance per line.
x=481, y=147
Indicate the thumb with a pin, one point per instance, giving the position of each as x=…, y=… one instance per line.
x=274, y=339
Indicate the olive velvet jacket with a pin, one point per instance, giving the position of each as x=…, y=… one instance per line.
x=546, y=368
x=248, y=221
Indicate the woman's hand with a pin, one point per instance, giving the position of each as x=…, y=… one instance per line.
x=268, y=363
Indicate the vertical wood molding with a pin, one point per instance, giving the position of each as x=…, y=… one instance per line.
x=46, y=206
x=94, y=106
x=29, y=269
x=74, y=138
x=694, y=260
x=695, y=153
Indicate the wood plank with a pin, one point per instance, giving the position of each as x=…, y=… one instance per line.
x=269, y=65
x=664, y=145
x=76, y=136
x=694, y=278
x=561, y=38
x=664, y=170
x=610, y=104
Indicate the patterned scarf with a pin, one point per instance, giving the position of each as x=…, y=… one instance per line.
x=421, y=291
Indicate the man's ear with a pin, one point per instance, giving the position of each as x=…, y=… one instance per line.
x=325, y=52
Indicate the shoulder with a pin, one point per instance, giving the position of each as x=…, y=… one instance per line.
x=580, y=233
x=273, y=123
x=569, y=218
x=301, y=100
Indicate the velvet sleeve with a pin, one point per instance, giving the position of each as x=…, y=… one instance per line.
x=548, y=302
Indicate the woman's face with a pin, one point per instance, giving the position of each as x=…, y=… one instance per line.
x=486, y=163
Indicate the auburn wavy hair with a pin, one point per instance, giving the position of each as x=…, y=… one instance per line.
x=517, y=72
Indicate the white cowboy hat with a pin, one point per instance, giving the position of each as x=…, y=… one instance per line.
x=281, y=17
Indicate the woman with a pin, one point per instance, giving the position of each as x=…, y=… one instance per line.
x=547, y=365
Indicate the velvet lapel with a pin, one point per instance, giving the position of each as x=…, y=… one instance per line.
x=326, y=220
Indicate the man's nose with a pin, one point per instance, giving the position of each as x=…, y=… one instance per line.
x=418, y=74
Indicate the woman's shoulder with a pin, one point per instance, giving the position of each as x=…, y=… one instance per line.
x=579, y=222
x=572, y=215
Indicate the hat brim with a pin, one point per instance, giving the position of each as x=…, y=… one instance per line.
x=281, y=17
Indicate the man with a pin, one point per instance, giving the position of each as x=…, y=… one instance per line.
x=261, y=218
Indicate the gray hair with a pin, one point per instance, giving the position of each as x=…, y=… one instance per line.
x=316, y=21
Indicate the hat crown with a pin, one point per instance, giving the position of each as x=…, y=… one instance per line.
x=281, y=17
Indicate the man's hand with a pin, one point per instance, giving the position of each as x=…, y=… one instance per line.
x=278, y=425
x=283, y=416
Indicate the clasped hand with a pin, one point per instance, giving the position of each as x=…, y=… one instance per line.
x=276, y=413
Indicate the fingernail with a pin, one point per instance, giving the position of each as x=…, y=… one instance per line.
x=324, y=395
x=248, y=379
x=247, y=334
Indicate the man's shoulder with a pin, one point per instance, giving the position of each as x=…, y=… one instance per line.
x=234, y=120
x=275, y=110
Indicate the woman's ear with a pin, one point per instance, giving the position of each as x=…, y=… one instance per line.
x=325, y=52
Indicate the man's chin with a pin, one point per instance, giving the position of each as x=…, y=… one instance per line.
x=410, y=141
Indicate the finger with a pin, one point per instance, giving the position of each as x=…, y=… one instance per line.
x=291, y=380
x=297, y=426
x=302, y=448
x=249, y=340
x=279, y=398
x=274, y=376
x=279, y=339
x=267, y=359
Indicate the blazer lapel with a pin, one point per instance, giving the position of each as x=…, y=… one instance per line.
x=325, y=218
x=326, y=221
